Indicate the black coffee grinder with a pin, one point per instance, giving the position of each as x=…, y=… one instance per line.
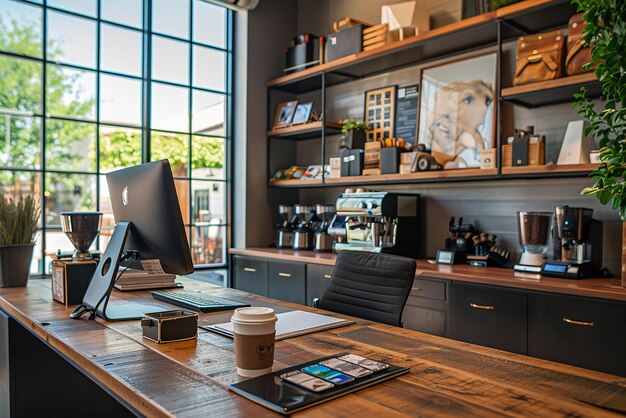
x=577, y=241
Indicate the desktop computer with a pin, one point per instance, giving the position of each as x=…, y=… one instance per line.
x=149, y=233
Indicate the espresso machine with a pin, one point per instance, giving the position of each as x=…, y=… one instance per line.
x=380, y=222
x=577, y=239
x=284, y=232
x=304, y=227
x=323, y=239
x=534, y=232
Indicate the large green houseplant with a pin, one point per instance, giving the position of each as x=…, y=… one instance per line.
x=18, y=226
x=606, y=32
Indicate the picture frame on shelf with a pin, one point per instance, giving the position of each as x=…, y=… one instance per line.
x=284, y=114
x=380, y=113
x=302, y=114
x=457, y=113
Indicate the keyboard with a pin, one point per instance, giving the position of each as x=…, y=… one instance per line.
x=198, y=301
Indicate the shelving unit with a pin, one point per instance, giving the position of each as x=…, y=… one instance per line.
x=490, y=29
x=305, y=131
x=551, y=92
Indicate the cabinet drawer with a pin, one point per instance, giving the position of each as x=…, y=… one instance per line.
x=488, y=316
x=287, y=281
x=429, y=288
x=578, y=331
x=317, y=278
x=250, y=274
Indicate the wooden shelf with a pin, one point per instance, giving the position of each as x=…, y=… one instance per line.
x=548, y=170
x=420, y=176
x=305, y=131
x=530, y=16
x=297, y=183
x=560, y=90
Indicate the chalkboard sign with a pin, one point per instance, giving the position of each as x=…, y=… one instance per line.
x=406, y=113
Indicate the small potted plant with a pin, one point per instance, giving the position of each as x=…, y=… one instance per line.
x=18, y=226
x=352, y=134
x=605, y=30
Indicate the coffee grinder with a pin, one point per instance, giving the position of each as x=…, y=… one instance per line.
x=577, y=244
x=71, y=277
x=323, y=239
x=303, y=232
x=534, y=231
x=284, y=232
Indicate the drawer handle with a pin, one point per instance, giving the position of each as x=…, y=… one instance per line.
x=485, y=307
x=572, y=321
x=327, y=276
x=416, y=289
x=249, y=270
x=284, y=274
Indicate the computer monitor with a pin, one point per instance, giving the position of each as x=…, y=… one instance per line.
x=149, y=229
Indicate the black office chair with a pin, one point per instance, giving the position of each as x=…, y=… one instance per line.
x=368, y=285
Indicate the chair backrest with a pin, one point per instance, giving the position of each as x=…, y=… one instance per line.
x=369, y=285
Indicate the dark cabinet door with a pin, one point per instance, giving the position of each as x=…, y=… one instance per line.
x=287, y=281
x=317, y=278
x=578, y=331
x=251, y=275
x=488, y=316
x=426, y=308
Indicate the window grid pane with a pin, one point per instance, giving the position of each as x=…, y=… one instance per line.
x=95, y=72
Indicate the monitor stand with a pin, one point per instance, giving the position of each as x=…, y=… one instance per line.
x=96, y=299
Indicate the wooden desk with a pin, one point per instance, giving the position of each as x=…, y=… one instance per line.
x=190, y=378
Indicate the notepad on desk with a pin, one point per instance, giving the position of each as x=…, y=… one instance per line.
x=290, y=324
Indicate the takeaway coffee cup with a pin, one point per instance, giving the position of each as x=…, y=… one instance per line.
x=254, y=331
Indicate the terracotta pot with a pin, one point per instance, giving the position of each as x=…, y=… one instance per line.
x=15, y=263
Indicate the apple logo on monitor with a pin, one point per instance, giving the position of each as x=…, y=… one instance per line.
x=125, y=196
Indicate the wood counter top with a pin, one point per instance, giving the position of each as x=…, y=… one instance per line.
x=189, y=378
x=601, y=288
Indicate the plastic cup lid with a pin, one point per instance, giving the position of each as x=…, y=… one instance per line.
x=254, y=314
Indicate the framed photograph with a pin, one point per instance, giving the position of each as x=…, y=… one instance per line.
x=380, y=113
x=457, y=117
x=302, y=113
x=284, y=114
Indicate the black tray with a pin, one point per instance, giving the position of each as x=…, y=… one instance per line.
x=286, y=398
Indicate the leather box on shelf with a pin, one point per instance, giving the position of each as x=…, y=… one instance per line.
x=536, y=154
x=351, y=162
x=577, y=53
x=539, y=57
x=347, y=42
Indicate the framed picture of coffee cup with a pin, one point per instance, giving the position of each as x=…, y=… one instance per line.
x=284, y=114
x=457, y=114
x=302, y=114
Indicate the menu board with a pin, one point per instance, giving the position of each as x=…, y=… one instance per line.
x=406, y=113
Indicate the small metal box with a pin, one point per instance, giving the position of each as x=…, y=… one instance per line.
x=170, y=326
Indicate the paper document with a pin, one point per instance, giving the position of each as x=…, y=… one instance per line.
x=290, y=324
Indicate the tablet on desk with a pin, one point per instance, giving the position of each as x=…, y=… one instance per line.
x=290, y=324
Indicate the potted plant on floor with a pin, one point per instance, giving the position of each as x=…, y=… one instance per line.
x=18, y=225
x=606, y=32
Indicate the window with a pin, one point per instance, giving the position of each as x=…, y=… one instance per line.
x=92, y=86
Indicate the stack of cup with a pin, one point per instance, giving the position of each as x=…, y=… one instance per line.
x=254, y=331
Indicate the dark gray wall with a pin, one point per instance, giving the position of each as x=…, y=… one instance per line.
x=262, y=34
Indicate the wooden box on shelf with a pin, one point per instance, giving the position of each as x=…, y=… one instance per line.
x=536, y=154
x=371, y=166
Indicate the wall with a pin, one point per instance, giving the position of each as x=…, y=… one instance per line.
x=491, y=206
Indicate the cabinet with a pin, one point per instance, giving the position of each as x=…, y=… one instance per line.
x=250, y=274
x=488, y=316
x=317, y=278
x=287, y=281
x=426, y=308
x=578, y=331
x=480, y=32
